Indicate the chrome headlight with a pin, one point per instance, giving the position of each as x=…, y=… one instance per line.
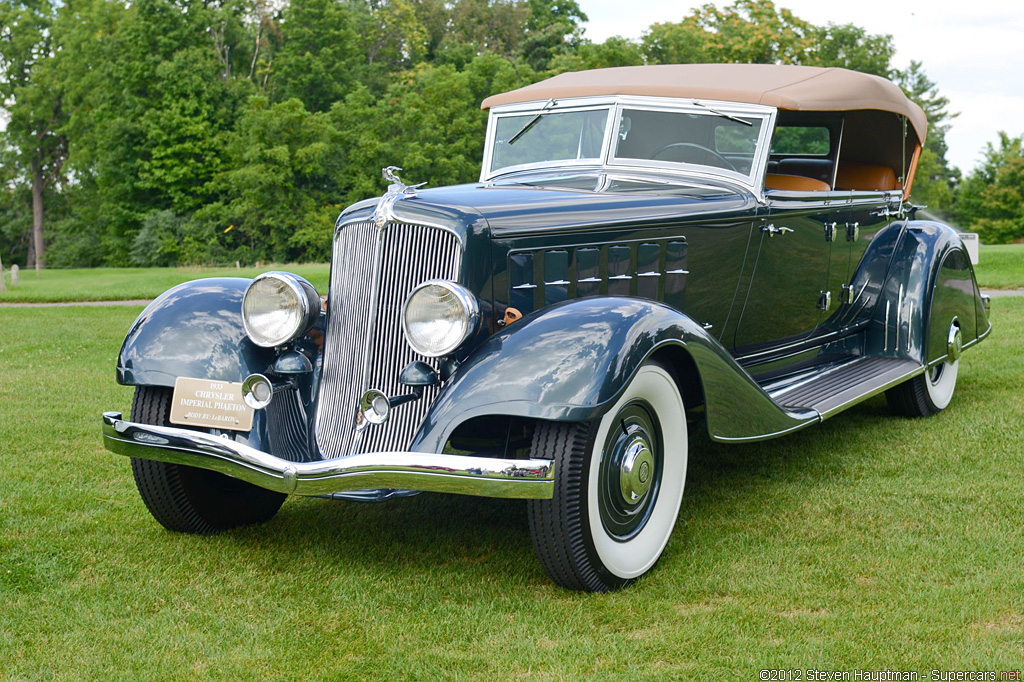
x=278, y=307
x=438, y=316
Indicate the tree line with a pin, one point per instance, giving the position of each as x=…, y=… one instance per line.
x=165, y=132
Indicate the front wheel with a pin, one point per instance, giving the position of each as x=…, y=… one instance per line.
x=619, y=484
x=188, y=499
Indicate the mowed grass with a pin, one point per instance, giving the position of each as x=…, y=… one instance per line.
x=1001, y=266
x=865, y=542
x=113, y=284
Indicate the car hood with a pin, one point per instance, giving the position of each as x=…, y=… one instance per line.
x=540, y=203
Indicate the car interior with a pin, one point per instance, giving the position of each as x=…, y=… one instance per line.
x=807, y=145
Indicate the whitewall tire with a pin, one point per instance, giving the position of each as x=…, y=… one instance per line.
x=619, y=485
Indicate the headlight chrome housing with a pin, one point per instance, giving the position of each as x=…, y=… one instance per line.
x=278, y=307
x=438, y=316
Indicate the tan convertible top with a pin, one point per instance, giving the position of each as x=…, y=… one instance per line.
x=796, y=88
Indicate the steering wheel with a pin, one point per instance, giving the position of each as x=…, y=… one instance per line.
x=724, y=162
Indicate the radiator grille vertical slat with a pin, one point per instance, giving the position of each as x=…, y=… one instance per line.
x=361, y=329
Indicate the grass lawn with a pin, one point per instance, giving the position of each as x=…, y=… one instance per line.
x=111, y=284
x=868, y=542
x=1001, y=266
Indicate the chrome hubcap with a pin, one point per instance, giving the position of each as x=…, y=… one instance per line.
x=954, y=343
x=636, y=471
x=630, y=471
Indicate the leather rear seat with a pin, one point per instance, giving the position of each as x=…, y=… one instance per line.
x=794, y=183
x=865, y=176
x=819, y=169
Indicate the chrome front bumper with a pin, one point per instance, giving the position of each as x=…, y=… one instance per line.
x=464, y=475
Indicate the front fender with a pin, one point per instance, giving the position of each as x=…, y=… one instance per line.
x=570, y=362
x=192, y=330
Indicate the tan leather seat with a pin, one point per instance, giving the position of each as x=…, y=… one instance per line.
x=865, y=176
x=794, y=183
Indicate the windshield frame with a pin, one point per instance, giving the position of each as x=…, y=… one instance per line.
x=754, y=180
x=531, y=108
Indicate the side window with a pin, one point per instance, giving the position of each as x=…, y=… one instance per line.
x=801, y=141
x=800, y=159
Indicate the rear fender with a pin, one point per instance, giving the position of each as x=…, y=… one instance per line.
x=571, y=361
x=930, y=284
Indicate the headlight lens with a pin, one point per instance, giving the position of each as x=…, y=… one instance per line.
x=278, y=307
x=438, y=316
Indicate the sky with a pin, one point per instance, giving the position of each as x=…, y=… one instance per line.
x=973, y=51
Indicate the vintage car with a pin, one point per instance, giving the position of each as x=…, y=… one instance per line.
x=649, y=250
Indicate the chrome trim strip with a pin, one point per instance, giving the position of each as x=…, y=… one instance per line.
x=765, y=436
x=459, y=474
x=804, y=344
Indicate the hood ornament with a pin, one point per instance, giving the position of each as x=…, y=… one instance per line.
x=397, y=186
x=396, y=190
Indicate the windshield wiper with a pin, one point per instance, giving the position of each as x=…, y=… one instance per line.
x=722, y=113
x=532, y=121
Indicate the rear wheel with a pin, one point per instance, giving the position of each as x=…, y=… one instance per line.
x=188, y=499
x=619, y=484
x=926, y=394
x=930, y=393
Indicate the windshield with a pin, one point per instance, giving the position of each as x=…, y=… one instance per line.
x=720, y=138
x=704, y=139
x=554, y=136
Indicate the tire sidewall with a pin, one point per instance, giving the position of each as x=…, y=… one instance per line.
x=629, y=559
x=940, y=390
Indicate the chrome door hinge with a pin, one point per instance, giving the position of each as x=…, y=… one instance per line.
x=852, y=232
x=887, y=212
x=772, y=230
x=830, y=232
x=825, y=300
x=846, y=295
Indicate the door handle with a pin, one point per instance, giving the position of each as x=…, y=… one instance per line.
x=772, y=230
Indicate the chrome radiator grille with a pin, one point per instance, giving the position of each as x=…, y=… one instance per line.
x=372, y=272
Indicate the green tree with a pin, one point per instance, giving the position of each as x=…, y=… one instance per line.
x=282, y=170
x=991, y=198
x=747, y=32
x=850, y=47
x=33, y=142
x=157, y=89
x=430, y=124
x=935, y=180
x=320, y=54
x=553, y=29
x=615, y=51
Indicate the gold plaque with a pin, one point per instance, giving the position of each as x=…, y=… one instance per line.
x=210, y=404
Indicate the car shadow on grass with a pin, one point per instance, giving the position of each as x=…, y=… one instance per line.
x=478, y=535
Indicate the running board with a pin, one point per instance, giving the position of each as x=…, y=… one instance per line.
x=831, y=390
